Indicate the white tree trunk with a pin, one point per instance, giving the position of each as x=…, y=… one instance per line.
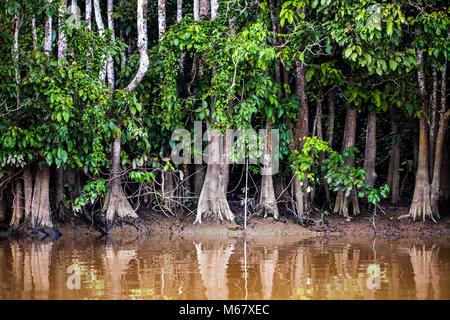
x=89, y=14
x=62, y=39
x=179, y=10
x=142, y=45
x=110, y=61
x=48, y=34
x=161, y=17
x=214, y=9
x=101, y=31
x=33, y=28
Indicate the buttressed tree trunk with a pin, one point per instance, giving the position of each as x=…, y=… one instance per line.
x=116, y=203
x=40, y=205
x=421, y=204
x=371, y=149
x=213, y=197
x=268, y=202
x=342, y=201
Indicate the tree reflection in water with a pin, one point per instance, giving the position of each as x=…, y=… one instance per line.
x=199, y=268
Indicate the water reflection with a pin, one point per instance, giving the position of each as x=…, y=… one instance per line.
x=199, y=268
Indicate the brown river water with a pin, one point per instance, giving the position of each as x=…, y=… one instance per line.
x=164, y=267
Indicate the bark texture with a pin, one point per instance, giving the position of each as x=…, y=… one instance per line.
x=40, y=206
x=268, y=202
x=300, y=131
x=421, y=204
x=142, y=45
x=116, y=204
x=343, y=201
x=393, y=179
x=161, y=17
x=213, y=200
x=371, y=149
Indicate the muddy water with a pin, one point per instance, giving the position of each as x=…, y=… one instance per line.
x=201, y=268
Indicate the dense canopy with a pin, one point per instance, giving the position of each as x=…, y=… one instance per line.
x=353, y=94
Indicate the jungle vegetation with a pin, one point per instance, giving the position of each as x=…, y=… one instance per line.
x=91, y=91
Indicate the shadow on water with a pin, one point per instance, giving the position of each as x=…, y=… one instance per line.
x=168, y=267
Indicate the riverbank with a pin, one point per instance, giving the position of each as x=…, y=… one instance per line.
x=386, y=224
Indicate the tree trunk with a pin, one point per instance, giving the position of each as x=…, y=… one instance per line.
x=110, y=61
x=142, y=44
x=34, y=32
x=371, y=149
x=89, y=14
x=434, y=120
x=59, y=199
x=342, y=201
x=435, y=185
x=161, y=17
x=268, y=202
x=40, y=206
x=213, y=198
x=318, y=131
x=183, y=54
x=415, y=138
x=62, y=39
x=2, y=208
x=15, y=54
x=199, y=177
x=300, y=131
x=330, y=127
x=421, y=204
x=116, y=203
x=393, y=178
x=204, y=9
x=17, y=212
x=101, y=31
x=214, y=9
x=48, y=34
x=28, y=192
x=167, y=188
x=275, y=40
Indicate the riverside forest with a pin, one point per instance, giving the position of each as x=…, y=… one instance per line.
x=305, y=119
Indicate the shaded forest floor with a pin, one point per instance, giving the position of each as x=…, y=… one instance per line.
x=386, y=224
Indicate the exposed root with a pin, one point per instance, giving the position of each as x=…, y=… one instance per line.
x=117, y=205
x=214, y=208
x=421, y=203
x=342, y=204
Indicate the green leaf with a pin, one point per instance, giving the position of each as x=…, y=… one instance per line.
x=309, y=74
x=389, y=28
x=393, y=64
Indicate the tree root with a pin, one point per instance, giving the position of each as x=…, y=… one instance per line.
x=117, y=205
x=421, y=204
